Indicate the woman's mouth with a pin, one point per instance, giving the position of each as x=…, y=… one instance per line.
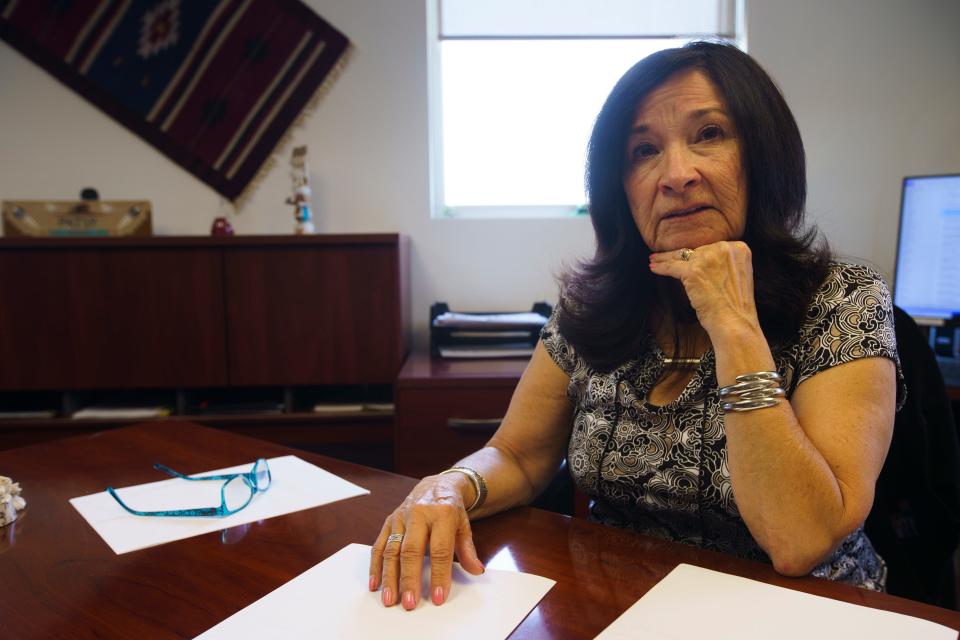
x=683, y=213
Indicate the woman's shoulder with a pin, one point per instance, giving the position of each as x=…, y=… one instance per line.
x=845, y=278
x=849, y=318
x=565, y=355
x=848, y=283
x=851, y=293
x=558, y=347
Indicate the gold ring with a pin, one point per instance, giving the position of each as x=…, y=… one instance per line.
x=394, y=537
x=685, y=254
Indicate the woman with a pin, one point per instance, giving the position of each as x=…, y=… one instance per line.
x=712, y=377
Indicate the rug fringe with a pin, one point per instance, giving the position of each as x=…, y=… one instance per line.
x=268, y=165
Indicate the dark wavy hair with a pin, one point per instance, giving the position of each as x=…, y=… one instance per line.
x=606, y=302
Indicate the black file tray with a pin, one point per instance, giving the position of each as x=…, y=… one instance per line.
x=502, y=342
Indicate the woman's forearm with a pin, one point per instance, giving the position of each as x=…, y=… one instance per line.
x=525, y=452
x=786, y=492
x=508, y=483
x=803, y=472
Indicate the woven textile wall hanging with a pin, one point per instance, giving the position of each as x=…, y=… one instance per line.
x=213, y=84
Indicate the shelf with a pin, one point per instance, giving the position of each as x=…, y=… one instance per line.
x=212, y=420
x=244, y=403
x=365, y=437
x=140, y=242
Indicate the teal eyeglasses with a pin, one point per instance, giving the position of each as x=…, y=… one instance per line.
x=235, y=494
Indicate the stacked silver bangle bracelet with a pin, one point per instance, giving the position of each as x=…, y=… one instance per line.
x=752, y=391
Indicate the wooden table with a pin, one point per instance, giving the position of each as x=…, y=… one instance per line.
x=60, y=580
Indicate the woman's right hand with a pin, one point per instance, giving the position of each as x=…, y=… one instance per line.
x=432, y=517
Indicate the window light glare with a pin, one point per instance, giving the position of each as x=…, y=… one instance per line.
x=517, y=115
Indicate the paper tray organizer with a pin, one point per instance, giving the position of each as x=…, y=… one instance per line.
x=479, y=334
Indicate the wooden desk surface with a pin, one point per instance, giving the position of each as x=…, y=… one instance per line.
x=60, y=580
x=422, y=371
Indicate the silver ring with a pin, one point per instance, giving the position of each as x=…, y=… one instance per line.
x=394, y=537
x=685, y=254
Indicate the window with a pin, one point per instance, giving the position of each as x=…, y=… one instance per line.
x=516, y=85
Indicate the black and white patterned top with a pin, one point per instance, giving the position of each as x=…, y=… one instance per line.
x=662, y=470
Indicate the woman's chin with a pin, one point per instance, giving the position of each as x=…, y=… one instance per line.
x=688, y=241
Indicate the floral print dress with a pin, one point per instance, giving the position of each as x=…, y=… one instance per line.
x=662, y=470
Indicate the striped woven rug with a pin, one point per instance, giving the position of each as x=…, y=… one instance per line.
x=213, y=84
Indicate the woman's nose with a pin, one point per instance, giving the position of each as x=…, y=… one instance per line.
x=679, y=171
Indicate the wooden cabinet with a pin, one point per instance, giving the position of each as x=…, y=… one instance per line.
x=301, y=316
x=91, y=316
x=449, y=408
x=189, y=312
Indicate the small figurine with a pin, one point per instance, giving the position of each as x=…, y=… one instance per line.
x=221, y=227
x=301, y=192
x=221, y=224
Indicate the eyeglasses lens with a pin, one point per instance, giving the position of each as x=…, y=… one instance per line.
x=236, y=493
x=262, y=474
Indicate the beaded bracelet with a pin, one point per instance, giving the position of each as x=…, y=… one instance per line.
x=752, y=391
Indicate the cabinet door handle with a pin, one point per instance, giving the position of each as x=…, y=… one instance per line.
x=474, y=425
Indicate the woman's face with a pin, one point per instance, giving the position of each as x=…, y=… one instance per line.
x=683, y=173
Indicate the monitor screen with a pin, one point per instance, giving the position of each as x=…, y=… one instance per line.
x=927, y=279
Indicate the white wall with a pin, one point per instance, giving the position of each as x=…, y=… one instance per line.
x=873, y=84
x=875, y=87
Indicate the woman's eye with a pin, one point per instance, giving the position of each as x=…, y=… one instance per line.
x=711, y=132
x=644, y=150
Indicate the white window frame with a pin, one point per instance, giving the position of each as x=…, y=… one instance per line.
x=438, y=208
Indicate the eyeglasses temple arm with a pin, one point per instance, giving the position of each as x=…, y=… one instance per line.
x=177, y=474
x=205, y=512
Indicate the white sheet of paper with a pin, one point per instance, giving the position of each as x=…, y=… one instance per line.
x=295, y=485
x=331, y=601
x=692, y=602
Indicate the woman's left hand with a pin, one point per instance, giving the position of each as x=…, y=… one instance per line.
x=718, y=279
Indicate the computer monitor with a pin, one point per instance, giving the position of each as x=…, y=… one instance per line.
x=927, y=277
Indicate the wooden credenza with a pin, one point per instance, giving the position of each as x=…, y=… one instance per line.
x=449, y=408
x=84, y=316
